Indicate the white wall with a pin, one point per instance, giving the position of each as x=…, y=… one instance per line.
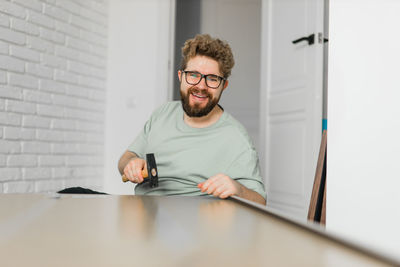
x=363, y=175
x=139, y=77
x=52, y=83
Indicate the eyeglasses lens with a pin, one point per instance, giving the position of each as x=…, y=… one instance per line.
x=194, y=78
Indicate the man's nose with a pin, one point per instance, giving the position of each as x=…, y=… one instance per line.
x=202, y=84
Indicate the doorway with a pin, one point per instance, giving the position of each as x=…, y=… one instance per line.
x=292, y=89
x=239, y=23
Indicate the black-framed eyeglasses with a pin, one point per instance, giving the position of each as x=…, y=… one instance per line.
x=194, y=78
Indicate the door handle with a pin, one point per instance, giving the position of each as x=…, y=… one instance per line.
x=309, y=39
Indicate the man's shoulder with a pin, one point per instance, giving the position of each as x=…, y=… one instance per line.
x=166, y=109
x=171, y=104
x=234, y=123
x=236, y=128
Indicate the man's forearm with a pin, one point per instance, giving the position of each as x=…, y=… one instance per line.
x=251, y=195
x=125, y=158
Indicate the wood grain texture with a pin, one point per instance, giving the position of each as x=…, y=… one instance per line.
x=317, y=201
x=106, y=230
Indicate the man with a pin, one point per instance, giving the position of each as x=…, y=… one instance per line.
x=200, y=149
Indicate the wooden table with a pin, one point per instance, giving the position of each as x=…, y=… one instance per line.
x=101, y=230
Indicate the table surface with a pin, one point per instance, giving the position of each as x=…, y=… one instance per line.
x=100, y=230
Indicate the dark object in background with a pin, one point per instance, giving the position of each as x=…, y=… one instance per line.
x=317, y=208
x=79, y=190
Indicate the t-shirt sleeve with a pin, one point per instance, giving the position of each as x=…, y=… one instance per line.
x=138, y=146
x=245, y=169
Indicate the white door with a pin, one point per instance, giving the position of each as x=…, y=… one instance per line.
x=291, y=105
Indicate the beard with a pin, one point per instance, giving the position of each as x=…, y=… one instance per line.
x=196, y=110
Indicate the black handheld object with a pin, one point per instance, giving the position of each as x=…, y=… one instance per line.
x=152, y=170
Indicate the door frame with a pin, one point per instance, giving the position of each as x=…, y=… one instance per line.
x=265, y=85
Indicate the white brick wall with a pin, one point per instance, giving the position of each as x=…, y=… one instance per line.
x=52, y=94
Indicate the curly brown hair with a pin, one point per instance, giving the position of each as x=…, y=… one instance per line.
x=205, y=45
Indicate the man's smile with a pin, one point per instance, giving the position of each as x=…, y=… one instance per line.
x=201, y=96
x=198, y=97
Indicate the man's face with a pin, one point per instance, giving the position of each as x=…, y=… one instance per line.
x=198, y=100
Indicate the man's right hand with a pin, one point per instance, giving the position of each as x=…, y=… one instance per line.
x=133, y=170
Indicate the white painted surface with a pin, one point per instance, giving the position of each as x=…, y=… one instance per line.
x=52, y=95
x=363, y=123
x=138, y=76
x=291, y=102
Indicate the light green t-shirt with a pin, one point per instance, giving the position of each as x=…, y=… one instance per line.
x=186, y=156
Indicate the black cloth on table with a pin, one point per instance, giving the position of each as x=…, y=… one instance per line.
x=79, y=190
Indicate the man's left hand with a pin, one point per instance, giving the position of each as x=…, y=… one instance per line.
x=221, y=185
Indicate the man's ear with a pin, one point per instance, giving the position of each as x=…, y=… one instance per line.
x=180, y=75
x=225, y=84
